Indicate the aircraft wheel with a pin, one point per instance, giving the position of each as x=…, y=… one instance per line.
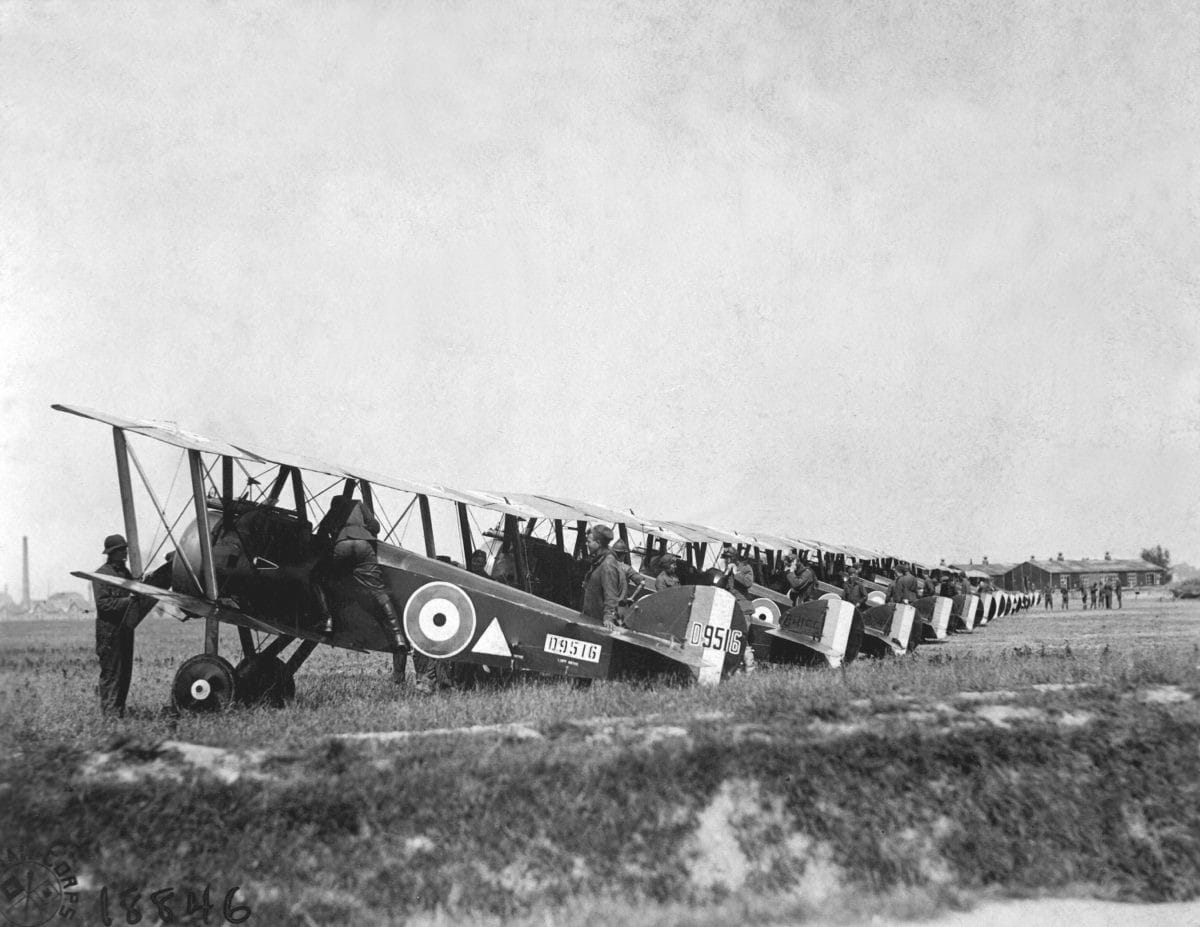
x=264, y=680
x=204, y=683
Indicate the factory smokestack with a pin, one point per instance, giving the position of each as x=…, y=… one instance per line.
x=25, y=572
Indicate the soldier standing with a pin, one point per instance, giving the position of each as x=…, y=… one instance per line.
x=1095, y=594
x=802, y=581
x=1117, y=590
x=742, y=578
x=904, y=587
x=604, y=583
x=114, y=636
x=1064, y=598
x=853, y=590
x=1050, y=598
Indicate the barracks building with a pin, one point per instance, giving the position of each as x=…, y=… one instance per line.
x=1073, y=574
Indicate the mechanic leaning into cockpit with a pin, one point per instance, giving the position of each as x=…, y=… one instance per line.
x=351, y=527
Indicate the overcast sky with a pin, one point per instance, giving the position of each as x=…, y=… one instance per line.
x=919, y=276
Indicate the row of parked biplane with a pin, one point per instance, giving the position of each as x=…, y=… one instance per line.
x=253, y=567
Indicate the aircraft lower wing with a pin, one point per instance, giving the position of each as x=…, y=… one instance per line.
x=196, y=607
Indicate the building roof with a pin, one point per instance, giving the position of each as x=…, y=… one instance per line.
x=991, y=569
x=1095, y=566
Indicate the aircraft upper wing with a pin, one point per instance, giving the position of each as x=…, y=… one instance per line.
x=166, y=432
x=169, y=433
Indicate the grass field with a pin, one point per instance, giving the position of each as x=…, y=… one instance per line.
x=1048, y=752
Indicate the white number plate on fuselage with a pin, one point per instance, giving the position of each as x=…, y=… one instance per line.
x=573, y=649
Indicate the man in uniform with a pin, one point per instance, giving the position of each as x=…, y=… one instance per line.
x=478, y=563
x=667, y=573
x=604, y=583
x=352, y=529
x=1064, y=598
x=1050, y=598
x=801, y=580
x=853, y=590
x=114, y=636
x=904, y=587
x=741, y=577
x=633, y=578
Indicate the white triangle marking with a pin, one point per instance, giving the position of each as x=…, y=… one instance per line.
x=492, y=641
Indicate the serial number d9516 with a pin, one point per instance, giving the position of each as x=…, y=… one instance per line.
x=726, y=639
x=572, y=649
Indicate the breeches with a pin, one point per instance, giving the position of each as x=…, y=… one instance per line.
x=357, y=558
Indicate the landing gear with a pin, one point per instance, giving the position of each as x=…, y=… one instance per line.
x=264, y=679
x=204, y=683
x=208, y=682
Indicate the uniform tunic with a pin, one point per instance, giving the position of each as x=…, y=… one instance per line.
x=603, y=587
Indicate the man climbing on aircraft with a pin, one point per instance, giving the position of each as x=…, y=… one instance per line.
x=604, y=583
x=352, y=529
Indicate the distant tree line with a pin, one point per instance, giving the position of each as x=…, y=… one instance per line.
x=1159, y=556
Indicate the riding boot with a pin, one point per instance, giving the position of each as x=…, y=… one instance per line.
x=325, y=616
x=391, y=623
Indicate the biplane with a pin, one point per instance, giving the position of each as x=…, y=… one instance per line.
x=248, y=558
x=817, y=633
x=806, y=634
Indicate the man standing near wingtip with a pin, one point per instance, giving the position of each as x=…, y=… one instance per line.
x=114, y=636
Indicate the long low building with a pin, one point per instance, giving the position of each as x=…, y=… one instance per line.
x=1075, y=574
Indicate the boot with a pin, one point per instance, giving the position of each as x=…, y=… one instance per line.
x=391, y=623
x=325, y=616
x=399, y=666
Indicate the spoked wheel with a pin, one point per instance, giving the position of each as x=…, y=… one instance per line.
x=264, y=680
x=204, y=683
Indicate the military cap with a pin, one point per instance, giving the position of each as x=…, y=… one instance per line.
x=113, y=542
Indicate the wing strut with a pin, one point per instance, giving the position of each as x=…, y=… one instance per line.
x=131, y=528
x=427, y=526
x=212, y=627
x=464, y=528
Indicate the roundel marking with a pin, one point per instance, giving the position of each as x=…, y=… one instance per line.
x=439, y=620
x=766, y=610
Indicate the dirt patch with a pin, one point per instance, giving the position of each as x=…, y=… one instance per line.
x=171, y=761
